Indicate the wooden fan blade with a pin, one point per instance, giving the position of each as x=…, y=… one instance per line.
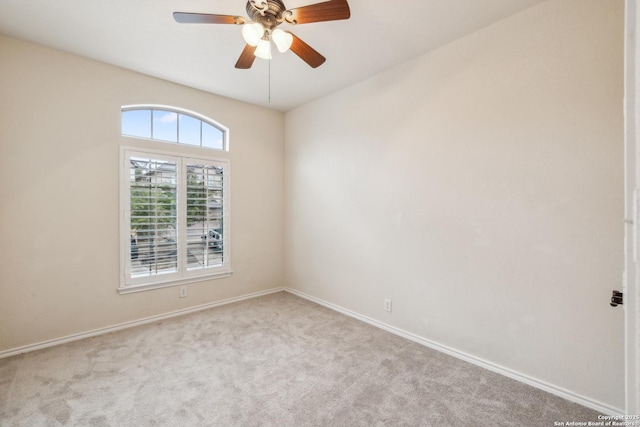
x=246, y=57
x=332, y=10
x=306, y=52
x=206, y=18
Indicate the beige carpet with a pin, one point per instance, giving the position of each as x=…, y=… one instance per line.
x=276, y=360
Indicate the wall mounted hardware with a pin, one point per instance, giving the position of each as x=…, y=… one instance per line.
x=617, y=298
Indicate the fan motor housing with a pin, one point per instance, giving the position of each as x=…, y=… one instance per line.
x=269, y=16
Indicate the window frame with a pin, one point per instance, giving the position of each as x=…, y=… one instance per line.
x=183, y=275
x=177, y=110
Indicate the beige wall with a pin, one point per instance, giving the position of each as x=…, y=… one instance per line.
x=480, y=187
x=59, y=142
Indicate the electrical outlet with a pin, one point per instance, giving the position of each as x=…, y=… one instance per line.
x=183, y=291
x=387, y=305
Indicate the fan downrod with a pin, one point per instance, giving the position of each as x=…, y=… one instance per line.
x=267, y=12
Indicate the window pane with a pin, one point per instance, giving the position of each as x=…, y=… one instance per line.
x=153, y=199
x=204, y=216
x=165, y=125
x=136, y=123
x=171, y=126
x=212, y=137
x=189, y=130
x=175, y=228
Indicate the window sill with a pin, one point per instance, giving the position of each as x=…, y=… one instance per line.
x=148, y=287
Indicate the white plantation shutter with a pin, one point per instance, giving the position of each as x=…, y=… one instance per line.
x=153, y=216
x=174, y=228
x=205, y=215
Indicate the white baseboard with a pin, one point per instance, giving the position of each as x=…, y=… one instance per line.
x=542, y=385
x=108, y=329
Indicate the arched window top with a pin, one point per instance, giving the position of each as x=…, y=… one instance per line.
x=175, y=125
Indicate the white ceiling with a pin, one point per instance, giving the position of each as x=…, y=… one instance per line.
x=141, y=35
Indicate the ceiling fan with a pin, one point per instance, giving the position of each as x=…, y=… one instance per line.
x=261, y=27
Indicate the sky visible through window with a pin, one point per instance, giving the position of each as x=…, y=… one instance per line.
x=171, y=126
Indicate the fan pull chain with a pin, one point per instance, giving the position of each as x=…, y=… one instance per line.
x=269, y=81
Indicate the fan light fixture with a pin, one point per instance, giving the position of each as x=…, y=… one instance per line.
x=282, y=39
x=264, y=48
x=255, y=34
x=252, y=33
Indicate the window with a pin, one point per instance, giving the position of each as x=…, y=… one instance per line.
x=174, y=219
x=174, y=125
x=174, y=207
